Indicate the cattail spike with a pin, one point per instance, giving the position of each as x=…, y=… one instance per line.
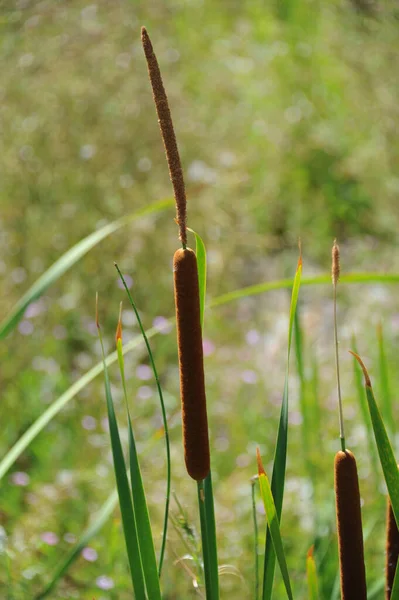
x=392, y=551
x=349, y=526
x=168, y=135
x=191, y=368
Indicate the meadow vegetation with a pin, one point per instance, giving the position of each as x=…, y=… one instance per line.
x=286, y=118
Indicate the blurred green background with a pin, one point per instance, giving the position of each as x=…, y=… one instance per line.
x=286, y=115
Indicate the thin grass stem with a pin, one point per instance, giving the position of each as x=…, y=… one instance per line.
x=256, y=542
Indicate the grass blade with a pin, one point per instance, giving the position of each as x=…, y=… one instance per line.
x=273, y=521
x=41, y=422
x=311, y=575
x=200, y=253
x=386, y=397
x=67, y=260
x=280, y=457
x=256, y=545
x=125, y=499
x=140, y=509
x=386, y=455
x=164, y=420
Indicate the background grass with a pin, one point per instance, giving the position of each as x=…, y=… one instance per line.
x=286, y=123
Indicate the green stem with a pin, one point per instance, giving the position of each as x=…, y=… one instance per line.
x=256, y=545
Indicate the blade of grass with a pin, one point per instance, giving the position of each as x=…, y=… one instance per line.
x=146, y=337
x=256, y=544
x=140, y=509
x=211, y=535
x=200, y=253
x=268, y=286
x=311, y=574
x=280, y=457
x=67, y=260
x=386, y=455
x=273, y=521
x=122, y=484
x=386, y=397
x=44, y=419
x=365, y=411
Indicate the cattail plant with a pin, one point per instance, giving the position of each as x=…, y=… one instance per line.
x=189, y=331
x=347, y=493
x=392, y=550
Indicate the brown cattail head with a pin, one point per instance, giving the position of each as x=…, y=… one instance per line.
x=192, y=381
x=335, y=265
x=168, y=134
x=349, y=526
x=392, y=551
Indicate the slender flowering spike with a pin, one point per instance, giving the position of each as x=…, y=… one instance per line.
x=392, y=551
x=335, y=270
x=192, y=380
x=168, y=134
x=336, y=267
x=349, y=526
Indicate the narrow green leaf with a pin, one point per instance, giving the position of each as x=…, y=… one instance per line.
x=140, y=509
x=67, y=260
x=58, y=404
x=311, y=575
x=386, y=397
x=125, y=499
x=256, y=544
x=200, y=253
x=211, y=535
x=280, y=457
x=164, y=420
x=268, y=286
x=274, y=525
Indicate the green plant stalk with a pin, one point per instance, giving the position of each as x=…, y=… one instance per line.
x=211, y=534
x=256, y=544
x=164, y=420
x=144, y=531
x=125, y=499
x=205, y=541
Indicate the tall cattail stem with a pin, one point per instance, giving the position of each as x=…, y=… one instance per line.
x=392, y=551
x=349, y=526
x=192, y=381
x=168, y=135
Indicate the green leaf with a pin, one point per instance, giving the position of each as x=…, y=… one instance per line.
x=386, y=396
x=280, y=457
x=164, y=419
x=140, y=509
x=200, y=253
x=67, y=260
x=387, y=459
x=274, y=526
x=311, y=575
x=125, y=499
x=45, y=418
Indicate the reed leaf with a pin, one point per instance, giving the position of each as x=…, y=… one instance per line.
x=200, y=253
x=67, y=260
x=125, y=499
x=280, y=457
x=273, y=521
x=311, y=576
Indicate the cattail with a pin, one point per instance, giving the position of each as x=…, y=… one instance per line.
x=335, y=267
x=349, y=526
x=192, y=383
x=392, y=551
x=168, y=134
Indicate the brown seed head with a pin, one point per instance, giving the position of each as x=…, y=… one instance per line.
x=349, y=526
x=168, y=134
x=335, y=268
x=192, y=380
